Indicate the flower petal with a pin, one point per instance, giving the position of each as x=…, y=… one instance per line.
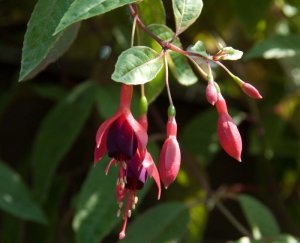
x=99, y=152
x=138, y=129
x=104, y=126
x=149, y=164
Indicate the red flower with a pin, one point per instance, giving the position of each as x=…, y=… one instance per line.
x=170, y=156
x=228, y=133
x=121, y=135
x=132, y=177
x=124, y=139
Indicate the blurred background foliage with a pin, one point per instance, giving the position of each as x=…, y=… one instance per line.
x=49, y=190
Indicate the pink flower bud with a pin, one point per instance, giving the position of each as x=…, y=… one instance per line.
x=251, y=91
x=211, y=93
x=229, y=136
x=221, y=104
x=170, y=156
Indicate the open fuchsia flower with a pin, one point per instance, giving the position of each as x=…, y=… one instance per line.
x=228, y=133
x=124, y=140
x=170, y=156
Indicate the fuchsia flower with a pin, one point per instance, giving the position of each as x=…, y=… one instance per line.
x=124, y=140
x=121, y=135
x=211, y=93
x=250, y=90
x=228, y=133
x=170, y=156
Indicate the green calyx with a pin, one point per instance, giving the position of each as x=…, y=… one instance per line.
x=171, y=111
x=143, y=105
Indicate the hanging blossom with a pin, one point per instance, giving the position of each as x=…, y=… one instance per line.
x=124, y=140
x=228, y=133
x=170, y=155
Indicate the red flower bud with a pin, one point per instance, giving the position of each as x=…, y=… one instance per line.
x=229, y=136
x=221, y=104
x=251, y=91
x=211, y=93
x=170, y=156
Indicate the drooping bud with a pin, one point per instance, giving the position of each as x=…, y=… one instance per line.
x=251, y=91
x=229, y=136
x=170, y=156
x=211, y=93
x=221, y=104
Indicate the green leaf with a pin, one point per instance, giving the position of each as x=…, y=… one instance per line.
x=178, y=64
x=203, y=145
x=276, y=47
x=260, y=218
x=155, y=87
x=181, y=69
x=167, y=222
x=278, y=239
x=15, y=198
x=40, y=48
x=137, y=65
x=153, y=11
x=199, y=48
x=228, y=53
x=96, y=209
x=57, y=133
x=84, y=9
x=186, y=13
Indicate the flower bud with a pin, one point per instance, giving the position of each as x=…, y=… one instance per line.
x=170, y=156
x=229, y=136
x=251, y=91
x=221, y=104
x=211, y=93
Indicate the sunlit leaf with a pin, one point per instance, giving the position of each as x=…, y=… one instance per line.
x=186, y=13
x=57, y=133
x=167, y=222
x=96, y=208
x=199, y=48
x=84, y=9
x=15, y=198
x=152, y=11
x=229, y=53
x=40, y=47
x=276, y=47
x=178, y=64
x=259, y=217
x=137, y=65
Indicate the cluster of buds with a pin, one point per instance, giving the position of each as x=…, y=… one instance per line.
x=228, y=133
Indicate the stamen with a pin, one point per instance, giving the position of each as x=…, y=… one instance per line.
x=120, y=204
x=129, y=213
x=133, y=206
x=118, y=213
x=136, y=199
x=118, y=181
x=125, y=179
x=124, y=165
